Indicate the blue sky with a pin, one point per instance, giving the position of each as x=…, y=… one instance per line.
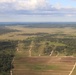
x=37, y=10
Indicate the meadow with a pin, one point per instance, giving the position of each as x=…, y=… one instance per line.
x=40, y=51
x=21, y=32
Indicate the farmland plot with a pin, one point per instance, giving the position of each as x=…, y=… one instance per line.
x=43, y=65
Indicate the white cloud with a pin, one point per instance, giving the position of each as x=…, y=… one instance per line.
x=38, y=7
x=69, y=15
x=30, y=4
x=26, y=4
x=7, y=1
x=57, y=6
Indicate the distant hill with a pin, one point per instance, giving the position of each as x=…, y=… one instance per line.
x=40, y=24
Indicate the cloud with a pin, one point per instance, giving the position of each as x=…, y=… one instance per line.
x=26, y=4
x=34, y=7
x=31, y=4
x=69, y=15
x=73, y=0
x=7, y=1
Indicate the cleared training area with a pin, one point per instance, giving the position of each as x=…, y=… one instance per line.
x=44, y=66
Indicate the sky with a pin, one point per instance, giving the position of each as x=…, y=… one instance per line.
x=37, y=10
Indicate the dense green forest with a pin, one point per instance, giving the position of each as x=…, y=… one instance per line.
x=7, y=51
x=63, y=44
x=4, y=30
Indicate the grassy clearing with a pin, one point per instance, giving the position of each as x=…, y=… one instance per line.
x=38, y=67
x=43, y=65
x=55, y=43
x=22, y=30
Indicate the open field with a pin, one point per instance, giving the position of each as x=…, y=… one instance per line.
x=24, y=32
x=43, y=65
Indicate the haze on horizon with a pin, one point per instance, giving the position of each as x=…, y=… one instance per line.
x=37, y=10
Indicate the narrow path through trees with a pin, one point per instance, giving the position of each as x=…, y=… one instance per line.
x=30, y=49
x=52, y=51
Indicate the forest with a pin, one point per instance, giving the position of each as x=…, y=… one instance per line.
x=4, y=30
x=7, y=52
x=49, y=43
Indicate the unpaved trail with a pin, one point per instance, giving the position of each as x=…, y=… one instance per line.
x=30, y=49
x=57, y=55
x=52, y=51
x=72, y=69
x=11, y=72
